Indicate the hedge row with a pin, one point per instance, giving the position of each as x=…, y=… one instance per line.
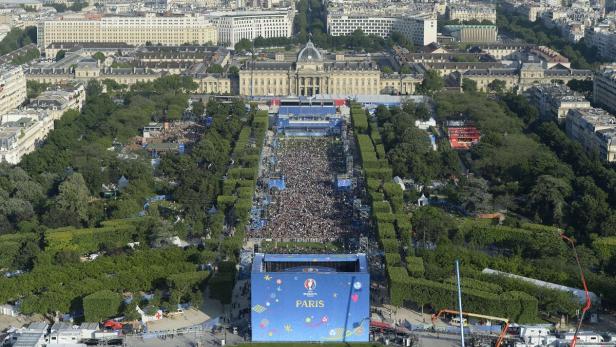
x=550, y=300
x=390, y=245
x=392, y=190
x=376, y=196
x=534, y=243
x=384, y=217
x=517, y=306
x=476, y=284
x=112, y=234
x=384, y=174
x=386, y=231
x=386, y=197
x=381, y=207
x=359, y=119
x=403, y=222
x=415, y=266
x=393, y=259
x=239, y=186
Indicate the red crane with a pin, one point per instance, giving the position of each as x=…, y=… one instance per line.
x=588, y=302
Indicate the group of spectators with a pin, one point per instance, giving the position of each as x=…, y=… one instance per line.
x=308, y=209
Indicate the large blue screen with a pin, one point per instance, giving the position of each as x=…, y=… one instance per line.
x=310, y=306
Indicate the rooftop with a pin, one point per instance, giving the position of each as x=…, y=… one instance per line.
x=597, y=117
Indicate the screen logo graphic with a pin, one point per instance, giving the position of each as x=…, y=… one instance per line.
x=310, y=284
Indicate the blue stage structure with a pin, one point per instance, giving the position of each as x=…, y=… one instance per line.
x=306, y=110
x=308, y=120
x=310, y=297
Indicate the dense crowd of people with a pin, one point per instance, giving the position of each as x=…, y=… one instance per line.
x=308, y=209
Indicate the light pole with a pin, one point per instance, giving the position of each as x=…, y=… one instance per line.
x=460, y=302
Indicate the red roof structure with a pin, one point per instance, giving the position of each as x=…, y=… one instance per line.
x=463, y=137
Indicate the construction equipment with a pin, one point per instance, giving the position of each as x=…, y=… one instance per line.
x=505, y=321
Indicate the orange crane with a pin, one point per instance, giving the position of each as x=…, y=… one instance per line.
x=505, y=321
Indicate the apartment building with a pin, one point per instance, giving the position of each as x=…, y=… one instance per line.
x=236, y=25
x=12, y=87
x=464, y=13
x=603, y=37
x=595, y=130
x=132, y=30
x=604, y=87
x=60, y=99
x=419, y=28
x=555, y=100
x=21, y=131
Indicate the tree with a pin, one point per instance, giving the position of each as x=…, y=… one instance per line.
x=581, y=86
x=94, y=88
x=497, y=86
x=215, y=68
x=520, y=106
x=589, y=208
x=234, y=71
x=26, y=255
x=73, y=197
x=60, y=55
x=469, y=86
x=17, y=38
x=399, y=39
x=431, y=224
x=243, y=45
x=35, y=88
x=129, y=311
x=24, y=58
x=405, y=69
x=475, y=196
x=161, y=232
x=197, y=108
x=101, y=305
x=66, y=257
x=432, y=82
x=99, y=56
x=382, y=114
x=387, y=70
x=547, y=199
x=112, y=85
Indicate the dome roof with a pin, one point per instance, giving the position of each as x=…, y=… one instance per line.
x=309, y=53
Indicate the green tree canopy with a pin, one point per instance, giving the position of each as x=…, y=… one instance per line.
x=547, y=199
x=99, y=56
x=469, y=86
x=60, y=55
x=431, y=224
x=73, y=197
x=432, y=82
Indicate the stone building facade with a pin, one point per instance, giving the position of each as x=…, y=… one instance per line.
x=312, y=73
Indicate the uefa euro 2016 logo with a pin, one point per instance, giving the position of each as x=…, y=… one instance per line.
x=310, y=284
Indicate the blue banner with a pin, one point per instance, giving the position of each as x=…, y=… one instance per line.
x=310, y=306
